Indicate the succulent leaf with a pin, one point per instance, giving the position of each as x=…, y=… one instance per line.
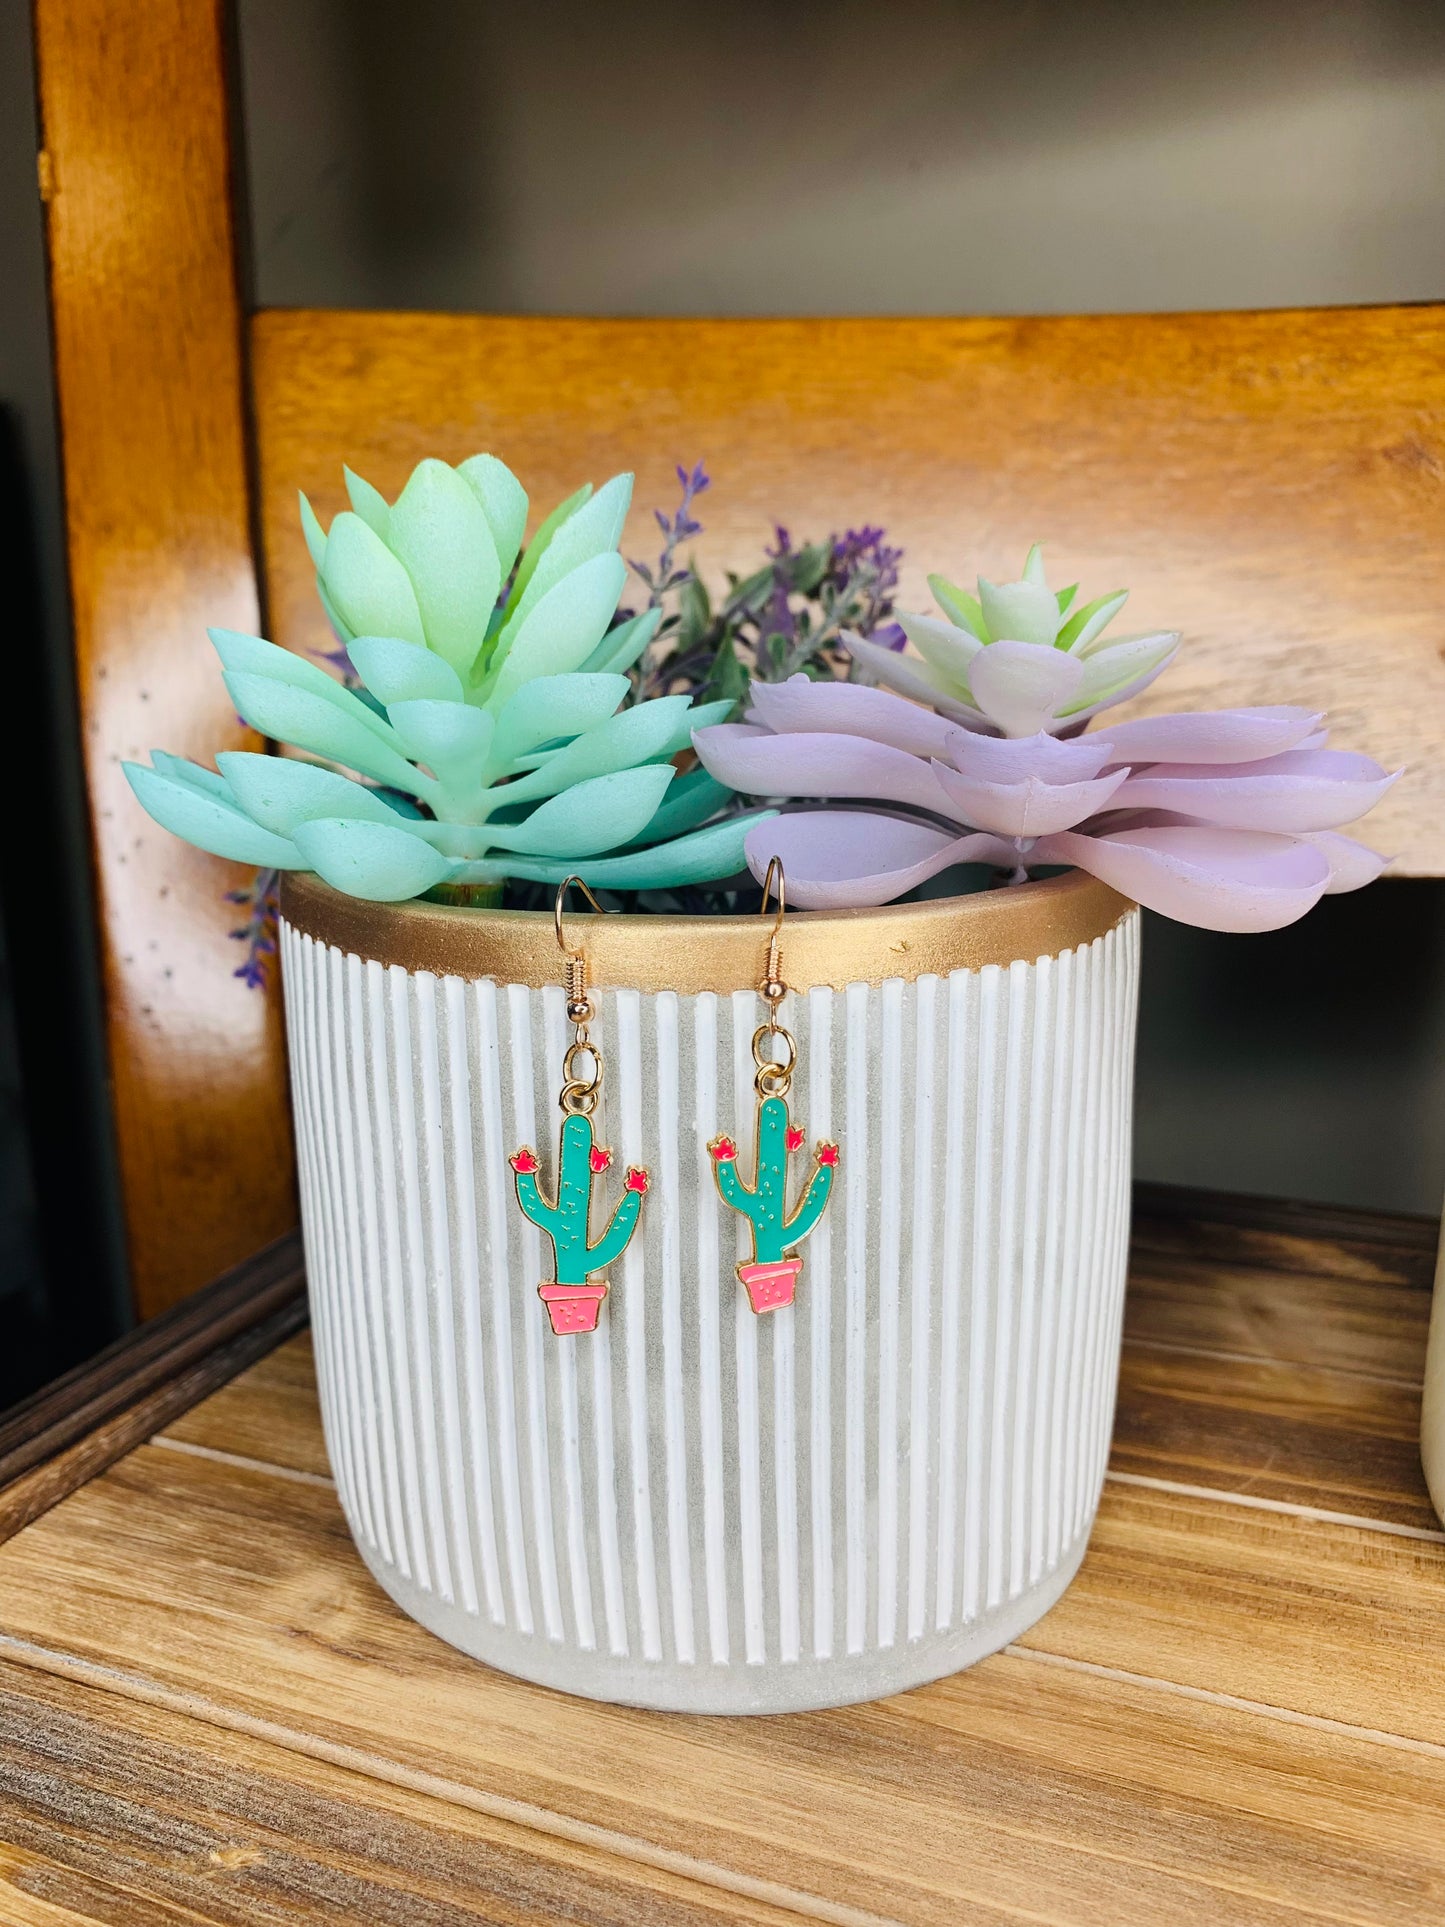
x=340, y=628
x=943, y=646
x=368, y=502
x=400, y=672
x=371, y=860
x=312, y=530
x=537, y=547
x=504, y=503
x=687, y=802
x=702, y=857
x=588, y=817
x=278, y=792
x=551, y=708
x=312, y=722
x=624, y=645
x=196, y=774
x=439, y=533
x=1086, y=623
x=452, y=739
x=959, y=606
x=252, y=655
x=370, y=589
x=203, y=818
x=1019, y=611
x=633, y=736
x=562, y=627
x=593, y=530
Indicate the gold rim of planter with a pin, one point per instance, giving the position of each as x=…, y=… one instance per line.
x=723, y=954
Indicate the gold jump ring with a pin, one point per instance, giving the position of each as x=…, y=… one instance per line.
x=774, y=1075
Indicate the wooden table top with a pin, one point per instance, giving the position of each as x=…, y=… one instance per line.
x=209, y=1712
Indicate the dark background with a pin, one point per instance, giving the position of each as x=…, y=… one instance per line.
x=918, y=157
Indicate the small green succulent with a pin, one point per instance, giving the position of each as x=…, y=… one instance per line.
x=487, y=728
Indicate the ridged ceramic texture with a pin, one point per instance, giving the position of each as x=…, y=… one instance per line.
x=696, y=1507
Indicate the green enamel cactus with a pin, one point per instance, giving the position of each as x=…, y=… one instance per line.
x=763, y=1202
x=566, y=1223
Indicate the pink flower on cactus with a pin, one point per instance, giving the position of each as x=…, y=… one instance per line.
x=636, y=1178
x=793, y=1137
x=1227, y=819
x=827, y=1154
x=524, y=1161
x=723, y=1149
x=599, y=1158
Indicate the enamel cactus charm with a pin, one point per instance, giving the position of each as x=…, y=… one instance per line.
x=575, y=1295
x=772, y=1275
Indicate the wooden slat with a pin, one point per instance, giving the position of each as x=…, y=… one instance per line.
x=268, y=1413
x=147, y=1360
x=1221, y=1228
x=125, y=1813
x=52, y=1443
x=1271, y=483
x=1024, y=1791
x=1282, y=1385
x=1234, y=1715
x=149, y=376
x=1288, y=1434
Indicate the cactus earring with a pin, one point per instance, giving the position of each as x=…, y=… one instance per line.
x=772, y=1275
x=574, y=1296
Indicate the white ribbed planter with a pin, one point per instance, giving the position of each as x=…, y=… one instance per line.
x=695, y=1507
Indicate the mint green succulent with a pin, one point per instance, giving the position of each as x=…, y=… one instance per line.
x=488, y=731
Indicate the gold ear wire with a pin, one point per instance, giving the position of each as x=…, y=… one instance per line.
x=773, y=1077
x=773, y=988
x=579, y=1004
x=579, y=1092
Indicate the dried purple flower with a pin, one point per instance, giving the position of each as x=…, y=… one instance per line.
x=258, y=932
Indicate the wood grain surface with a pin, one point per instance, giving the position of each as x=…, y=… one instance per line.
x=1272, y=484
x=52, y=1443
x=1235, y=1715
x=149, y=375
x=115, y=1811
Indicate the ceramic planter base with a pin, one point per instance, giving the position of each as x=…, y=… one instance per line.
x=804, y=1686
x=692, y=1506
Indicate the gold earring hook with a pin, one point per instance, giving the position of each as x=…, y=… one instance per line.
x=579, y=1004
x=562, y=888
x=579, y=1093
x=773, y=988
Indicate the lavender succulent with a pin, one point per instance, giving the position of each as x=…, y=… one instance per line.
x=1018, y=657
x=1227, y=819
x=486, y=721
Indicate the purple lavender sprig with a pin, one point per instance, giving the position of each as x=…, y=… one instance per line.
x=258, y=933
x=786, y=617
x=666, y=577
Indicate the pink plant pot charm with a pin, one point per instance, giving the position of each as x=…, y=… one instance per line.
x=770, y=1285
x=573, y=1308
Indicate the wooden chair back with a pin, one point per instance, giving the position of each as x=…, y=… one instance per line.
x=1270, y=483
